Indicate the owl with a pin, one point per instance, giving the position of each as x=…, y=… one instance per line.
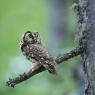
x=35, y=52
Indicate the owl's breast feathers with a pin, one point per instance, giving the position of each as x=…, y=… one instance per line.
x=41, y=55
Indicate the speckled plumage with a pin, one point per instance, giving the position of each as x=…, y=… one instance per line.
x=34, y=51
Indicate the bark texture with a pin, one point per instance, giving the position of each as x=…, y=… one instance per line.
x=89, y=66
x=87, y=16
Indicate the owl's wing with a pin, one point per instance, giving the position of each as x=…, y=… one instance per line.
x=41, y=54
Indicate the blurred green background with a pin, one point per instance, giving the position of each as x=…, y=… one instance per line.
x=18, y=16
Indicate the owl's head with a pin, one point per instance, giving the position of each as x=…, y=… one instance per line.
x=31, y=38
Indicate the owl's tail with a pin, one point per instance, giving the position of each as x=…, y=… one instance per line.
x=51, y=68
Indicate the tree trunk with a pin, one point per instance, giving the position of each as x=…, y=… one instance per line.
x=89, y=54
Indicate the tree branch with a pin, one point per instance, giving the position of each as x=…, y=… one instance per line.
x=61, y=58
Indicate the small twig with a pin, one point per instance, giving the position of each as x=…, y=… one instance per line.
x=30, y=73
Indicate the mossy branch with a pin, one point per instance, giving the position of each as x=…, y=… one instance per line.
x=61, y=58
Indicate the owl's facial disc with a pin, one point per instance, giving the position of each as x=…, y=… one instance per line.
x=28, y=37
x=31, y=38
